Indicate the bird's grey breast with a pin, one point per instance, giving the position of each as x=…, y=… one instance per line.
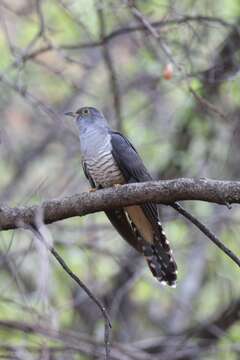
x=97, y=155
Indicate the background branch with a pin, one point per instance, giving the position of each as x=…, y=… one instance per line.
x=79, y=282
x=184, y=121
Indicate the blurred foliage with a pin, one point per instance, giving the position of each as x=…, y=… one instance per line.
x=59, y=66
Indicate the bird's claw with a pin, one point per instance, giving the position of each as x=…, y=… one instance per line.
x=117, y=186
x=91, y=190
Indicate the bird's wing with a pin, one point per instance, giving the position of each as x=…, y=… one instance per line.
x=87, y=174
x=132, y=168
x=144, y=219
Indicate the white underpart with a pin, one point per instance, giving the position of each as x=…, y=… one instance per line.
x=104, y=170
x=100, y=163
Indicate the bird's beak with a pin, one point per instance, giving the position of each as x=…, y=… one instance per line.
x=70, y=113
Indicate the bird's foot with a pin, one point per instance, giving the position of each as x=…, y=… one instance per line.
x=91, y=190
x=117, y=186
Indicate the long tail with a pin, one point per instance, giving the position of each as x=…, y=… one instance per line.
x=159, y=256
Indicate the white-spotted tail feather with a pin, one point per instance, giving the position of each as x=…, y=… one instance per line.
x=159, y=256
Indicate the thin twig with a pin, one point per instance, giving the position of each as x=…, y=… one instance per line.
x=114, y=86
x=82, y=285
x=207, y=105
x=153, y=31
x=206, y=231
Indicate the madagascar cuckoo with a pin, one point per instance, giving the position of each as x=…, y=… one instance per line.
x=108, y=159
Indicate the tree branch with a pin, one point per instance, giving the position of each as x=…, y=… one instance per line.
x=165, y=192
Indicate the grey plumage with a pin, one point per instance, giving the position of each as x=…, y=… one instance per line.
x=109, y=158
x=96, y=150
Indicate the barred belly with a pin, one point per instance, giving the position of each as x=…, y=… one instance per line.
x=104, y=170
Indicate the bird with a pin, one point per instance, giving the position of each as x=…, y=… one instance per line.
x=109, y=159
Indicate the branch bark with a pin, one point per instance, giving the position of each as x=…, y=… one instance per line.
x=165, y=192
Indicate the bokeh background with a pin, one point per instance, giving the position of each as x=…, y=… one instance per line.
x=165, y=73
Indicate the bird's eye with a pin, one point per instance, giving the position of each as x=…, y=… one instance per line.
x=85, y=111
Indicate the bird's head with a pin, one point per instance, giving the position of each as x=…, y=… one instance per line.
x=87, y=116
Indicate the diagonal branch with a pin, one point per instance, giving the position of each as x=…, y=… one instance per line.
x=75, y=278
x=207, y=232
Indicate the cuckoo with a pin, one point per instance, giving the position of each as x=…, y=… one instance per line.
x=109, y=159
